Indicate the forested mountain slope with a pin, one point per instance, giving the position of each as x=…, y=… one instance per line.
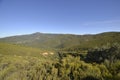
x=57, y=57
x=58, y=41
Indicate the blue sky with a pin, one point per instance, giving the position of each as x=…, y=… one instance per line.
x=58, y=16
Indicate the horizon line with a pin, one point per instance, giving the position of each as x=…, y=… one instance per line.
x=57, y=33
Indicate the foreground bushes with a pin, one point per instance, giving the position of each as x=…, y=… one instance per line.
x=69, y=68
x=98, y=64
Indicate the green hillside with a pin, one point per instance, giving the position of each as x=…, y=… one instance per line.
x=25, y=63
x=21, y=63
x=19, y=50
x=60, y=57
x=61, y=41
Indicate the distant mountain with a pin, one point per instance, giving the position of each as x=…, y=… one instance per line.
x=61, y=41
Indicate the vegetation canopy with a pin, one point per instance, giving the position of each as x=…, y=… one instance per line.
x=60, y=57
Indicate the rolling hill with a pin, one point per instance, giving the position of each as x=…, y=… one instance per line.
x=19, y=50
x=61, y=41
x=32, y=57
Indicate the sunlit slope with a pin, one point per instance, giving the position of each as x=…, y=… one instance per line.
x=23, y=63
x=17, y=50
x=60, y=41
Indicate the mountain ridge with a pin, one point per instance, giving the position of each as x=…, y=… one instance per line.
x=60, y=41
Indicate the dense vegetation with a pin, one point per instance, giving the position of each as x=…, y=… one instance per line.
x=61, y=41
x=23, y=63
x=100, y=62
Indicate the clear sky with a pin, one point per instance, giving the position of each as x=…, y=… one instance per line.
x=58, y=16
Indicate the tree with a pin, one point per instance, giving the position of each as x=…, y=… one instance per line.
x=99, y=55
